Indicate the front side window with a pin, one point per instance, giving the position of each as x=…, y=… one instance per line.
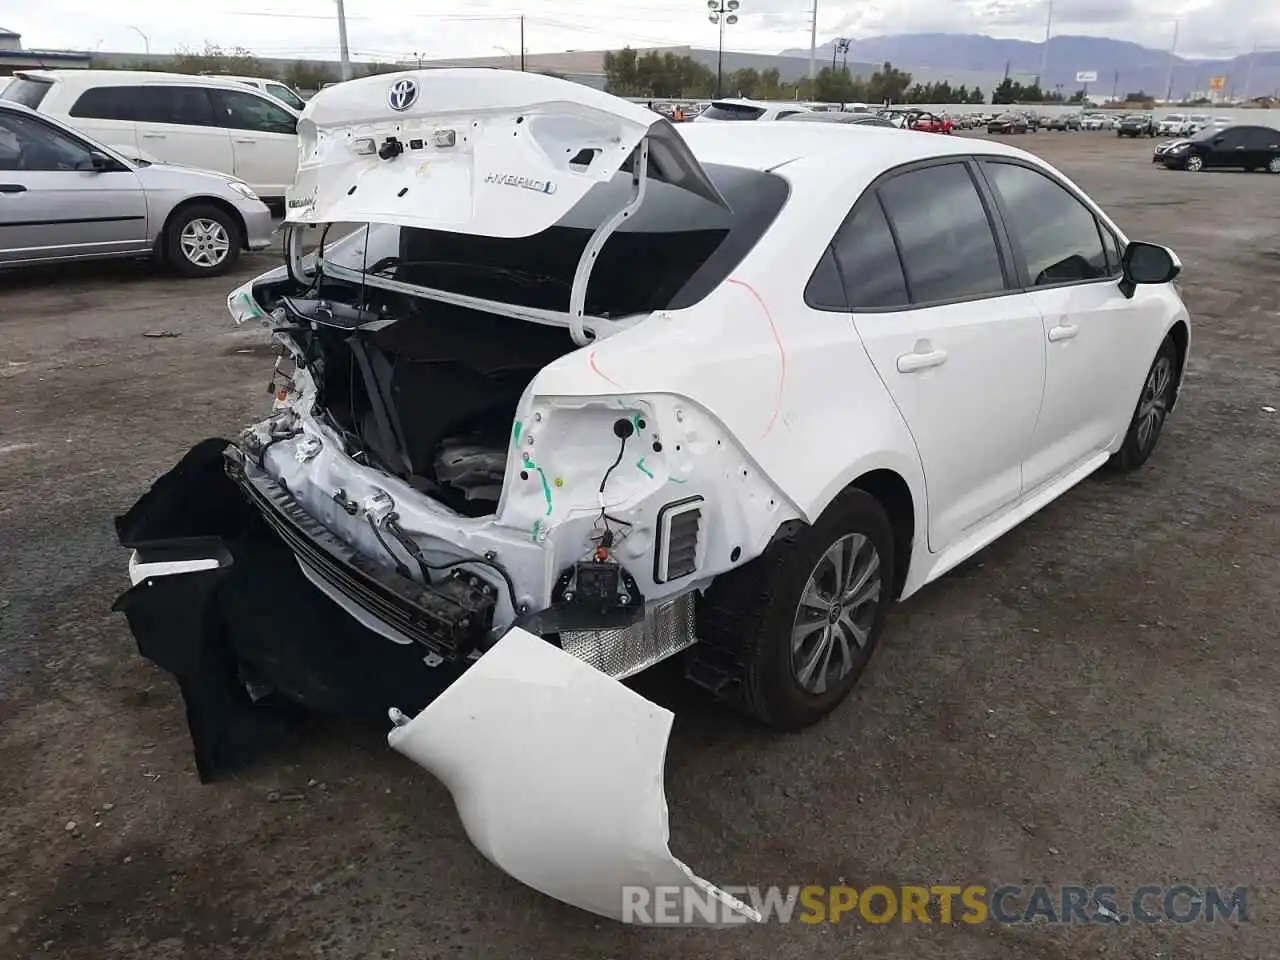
x=285, y=95
x=29, y=145
x=948, y=249
x=1056, y=233
x=245, y=111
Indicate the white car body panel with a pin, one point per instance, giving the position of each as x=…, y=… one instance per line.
x=749, y=399
x=582, y=758
x=504, y=168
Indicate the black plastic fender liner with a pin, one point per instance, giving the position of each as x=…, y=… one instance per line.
x=254, y=622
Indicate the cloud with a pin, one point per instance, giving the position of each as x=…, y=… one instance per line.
x=389, y=29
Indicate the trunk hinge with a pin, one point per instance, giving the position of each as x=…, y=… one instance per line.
x=578, y=293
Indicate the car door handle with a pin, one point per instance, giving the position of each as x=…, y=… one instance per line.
x=911, y=362
x=1063, y=331
x=155, y=136
x=245, y=140
x=12, y=188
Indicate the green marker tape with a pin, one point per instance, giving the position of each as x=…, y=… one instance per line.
x=546, y=489
x=515, y=432
x=677, y=480
x=643, y=469
x=636, y=420
x=537, y=526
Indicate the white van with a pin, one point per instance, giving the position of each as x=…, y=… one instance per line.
x=281, y=91
x=739, y=108
x=207, y=122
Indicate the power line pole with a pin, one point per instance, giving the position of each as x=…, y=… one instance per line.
x=1173, y=53
x=522, y=43
x=1044, y=56
x=813, y=46
x=723, y=13
x=344, y=54
x=1248, y=73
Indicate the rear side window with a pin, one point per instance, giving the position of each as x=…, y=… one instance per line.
x=106, y=103
x=186, y=106
x=948, y=249
x=867, y=259
x=733, y=111
x=1262, y=138
x=1057, y=235
x=29, y=93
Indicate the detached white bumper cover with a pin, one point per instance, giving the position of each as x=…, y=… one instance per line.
x=557, y=773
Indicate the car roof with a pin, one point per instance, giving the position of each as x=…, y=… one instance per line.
x=119, y=78
x=768, y=144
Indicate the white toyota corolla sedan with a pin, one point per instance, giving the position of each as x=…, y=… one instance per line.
x=587, y=393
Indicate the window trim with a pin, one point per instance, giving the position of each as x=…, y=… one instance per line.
x=1004, y=251
x=1024, y=276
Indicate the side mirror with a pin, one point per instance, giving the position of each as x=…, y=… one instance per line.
x=1147, y=263
x=100, y=162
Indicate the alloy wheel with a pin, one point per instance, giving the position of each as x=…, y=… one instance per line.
x=1195, y=164
x=205, y=242
x=1274, y=165
x=836, y=611
x=1154, y=403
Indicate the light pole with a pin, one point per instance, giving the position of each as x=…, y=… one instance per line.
x=1173, y=56
x=344, y=54
x=723, y=13
x=1044, y=54
x=146, y=41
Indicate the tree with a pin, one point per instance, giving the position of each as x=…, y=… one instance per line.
x=977, y=96
x=1140, y=97
x=1078, y=97
x=888, y=83
x=743, y=83
x=308, y=75
x=214, y=59
x=655, y=74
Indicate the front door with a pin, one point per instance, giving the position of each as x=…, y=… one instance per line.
x=1092, y=333
x=264, y=140
x=55, y=204
x=960, y=352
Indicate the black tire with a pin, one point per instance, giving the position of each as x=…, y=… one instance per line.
x=1157, y=396
x=177, y=257
x=753, y=610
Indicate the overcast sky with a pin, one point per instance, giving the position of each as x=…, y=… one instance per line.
x=391, y=29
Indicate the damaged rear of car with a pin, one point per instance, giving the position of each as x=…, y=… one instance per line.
x=455, y=511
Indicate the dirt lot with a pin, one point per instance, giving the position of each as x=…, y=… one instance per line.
x=1091, y=700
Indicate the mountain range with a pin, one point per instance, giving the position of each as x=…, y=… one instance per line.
x=1121, y=66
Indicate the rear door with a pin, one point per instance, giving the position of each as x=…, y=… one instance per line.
x=958, y=348
x=177, y=124
x=1226, y=149
x=1262, y=144
x=264, y=140
x=55, y=204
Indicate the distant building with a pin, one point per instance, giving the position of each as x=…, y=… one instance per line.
x=14, y=57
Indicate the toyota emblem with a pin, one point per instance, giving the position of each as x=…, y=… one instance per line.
x=403, y=94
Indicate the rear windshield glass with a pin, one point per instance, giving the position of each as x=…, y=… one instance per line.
x=671, y=253
x=29, y=93
x=733, y=111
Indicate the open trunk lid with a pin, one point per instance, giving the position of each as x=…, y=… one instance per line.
x=487, y=152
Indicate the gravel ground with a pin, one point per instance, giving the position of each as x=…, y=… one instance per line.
x=1090, y=700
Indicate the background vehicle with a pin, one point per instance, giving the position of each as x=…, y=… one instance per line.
x=740, y=109
x=1175, y=125
x=849, y=119
x=65, y=197
x=1244, y=147
x=931, y=123
x=1063, y=122
x=281, y=91
x=203, y=122
x=1137, y=125
x=1008, y=123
